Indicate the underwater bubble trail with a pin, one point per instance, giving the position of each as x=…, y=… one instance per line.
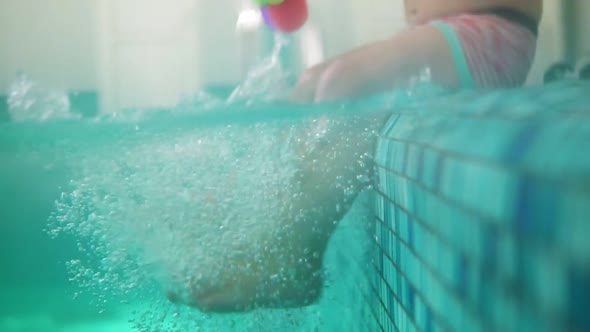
x=153, y=209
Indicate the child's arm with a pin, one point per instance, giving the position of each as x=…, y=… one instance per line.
x=380, y=66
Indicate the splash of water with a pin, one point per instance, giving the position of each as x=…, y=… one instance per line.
x=266, y=81
x=29, y=102
x=155, y=211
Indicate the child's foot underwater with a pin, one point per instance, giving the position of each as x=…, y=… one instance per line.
x=283, y=269
x=243, y=287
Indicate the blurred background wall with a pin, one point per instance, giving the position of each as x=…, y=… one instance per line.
x=53, y=40
x=145, y=53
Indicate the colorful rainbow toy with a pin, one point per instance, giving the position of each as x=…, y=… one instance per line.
x=284, y=15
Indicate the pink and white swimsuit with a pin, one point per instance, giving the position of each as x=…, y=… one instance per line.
x=491, y=49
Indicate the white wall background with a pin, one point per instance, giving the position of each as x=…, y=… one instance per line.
x=145, y=53
x=52, y=40
x=551, y=43
x=148, y=52
x=581, y=27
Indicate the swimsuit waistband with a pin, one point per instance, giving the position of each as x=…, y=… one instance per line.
x=514, y=16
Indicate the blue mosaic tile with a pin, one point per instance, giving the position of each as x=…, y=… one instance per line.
x=484, y=207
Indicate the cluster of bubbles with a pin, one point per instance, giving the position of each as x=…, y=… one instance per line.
x=154, y=210
x=164, y=208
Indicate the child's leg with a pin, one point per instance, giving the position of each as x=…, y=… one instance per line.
x=382, y=66
x=305, y=90
x=286, y=269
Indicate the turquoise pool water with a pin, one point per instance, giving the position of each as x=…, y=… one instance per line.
x=468, y=247
x=75, y=192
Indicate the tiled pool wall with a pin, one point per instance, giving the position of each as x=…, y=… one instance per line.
x=482, y=215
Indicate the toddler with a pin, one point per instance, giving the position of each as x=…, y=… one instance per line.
x=464, y=43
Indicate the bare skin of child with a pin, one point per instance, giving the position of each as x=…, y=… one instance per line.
x=286, y=270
